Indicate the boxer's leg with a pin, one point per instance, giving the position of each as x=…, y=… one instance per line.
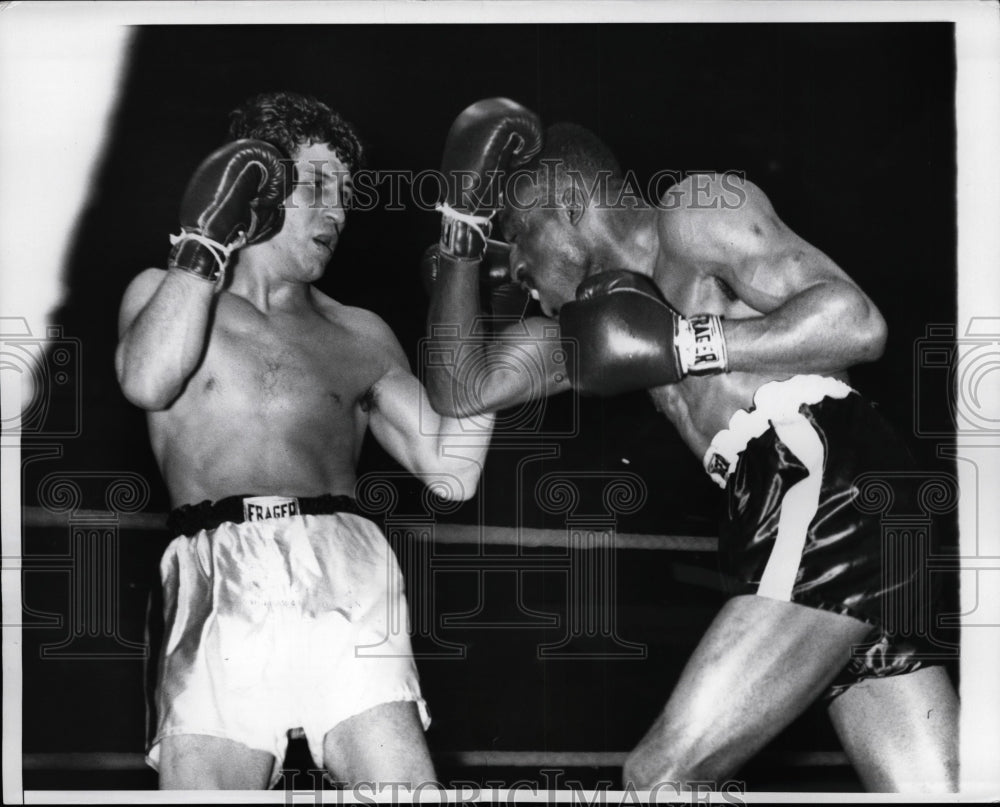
x=759, y=665
x=901, y=732
x=200, y=762
x=382, y=744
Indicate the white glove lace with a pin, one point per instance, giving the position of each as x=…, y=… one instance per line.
x=477, y=223
x=220, y=252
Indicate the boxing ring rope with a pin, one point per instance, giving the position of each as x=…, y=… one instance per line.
x=444, y=533
x=132, y=761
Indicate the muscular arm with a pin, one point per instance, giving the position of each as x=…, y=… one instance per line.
x=162, y=326
x=814, y=318
x=469, y=370
x=232, y=199
x=447, y=453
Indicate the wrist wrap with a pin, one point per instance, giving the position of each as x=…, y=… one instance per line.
x=701, y=345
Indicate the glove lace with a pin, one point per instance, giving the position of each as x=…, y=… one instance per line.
x=477, y=223
x=220, y=252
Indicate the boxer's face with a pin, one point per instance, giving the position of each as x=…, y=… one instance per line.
x=315, y=212
x=547, y=255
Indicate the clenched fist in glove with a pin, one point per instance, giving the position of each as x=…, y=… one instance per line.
x=499, y=295
x=629, y=338
x=490, y=138
x=233, y=199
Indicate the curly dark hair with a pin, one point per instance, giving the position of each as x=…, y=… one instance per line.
x=289, y=120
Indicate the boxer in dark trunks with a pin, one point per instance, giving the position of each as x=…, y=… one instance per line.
x=742, y=333
x=259, y=390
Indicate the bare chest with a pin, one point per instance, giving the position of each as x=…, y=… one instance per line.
x=279, y=367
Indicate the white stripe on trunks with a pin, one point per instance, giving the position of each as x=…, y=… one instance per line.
x=798, y=508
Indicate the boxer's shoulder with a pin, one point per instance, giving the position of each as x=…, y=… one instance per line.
x=354, y=318
x=706, y=191
x=717, y=217
x=363, y=325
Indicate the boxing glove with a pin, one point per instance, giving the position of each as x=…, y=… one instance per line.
x=628, y=337
x=500, y=296
x=494, y=269
x=488, y=139
x=232, y=200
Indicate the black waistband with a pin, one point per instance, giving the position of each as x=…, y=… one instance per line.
x=190, y=519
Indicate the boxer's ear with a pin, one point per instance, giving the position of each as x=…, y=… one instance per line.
x=574, y=203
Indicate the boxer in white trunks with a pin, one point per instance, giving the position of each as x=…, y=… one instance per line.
x=259, y=390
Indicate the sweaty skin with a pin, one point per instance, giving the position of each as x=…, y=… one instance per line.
x=788, y=308
x=746, y=265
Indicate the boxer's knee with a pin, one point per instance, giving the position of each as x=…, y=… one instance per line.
x=201, y=762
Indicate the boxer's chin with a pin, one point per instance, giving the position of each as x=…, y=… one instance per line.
x=549, y=308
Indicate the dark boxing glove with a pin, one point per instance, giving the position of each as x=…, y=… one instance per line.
x=628, y=337
x=488, y=139
x=233, y=199
x=500, y=296
x=494, y=268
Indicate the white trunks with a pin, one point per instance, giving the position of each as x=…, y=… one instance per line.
x=276, y=624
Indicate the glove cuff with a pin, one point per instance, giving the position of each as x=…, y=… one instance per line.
x=199, y=255
x=463, y=235
x=701, y=345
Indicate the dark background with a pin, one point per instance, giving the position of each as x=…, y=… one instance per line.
x=849, y=129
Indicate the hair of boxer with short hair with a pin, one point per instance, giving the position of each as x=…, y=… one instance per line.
x=289, y=120
x=576, y=152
